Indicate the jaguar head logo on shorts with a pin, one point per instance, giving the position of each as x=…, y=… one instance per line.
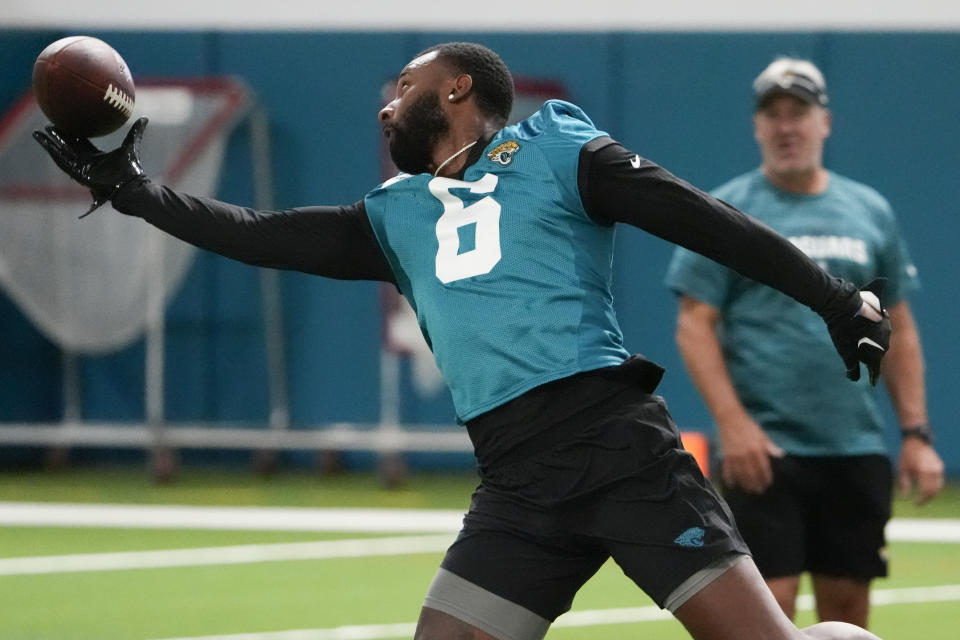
x=692, y=537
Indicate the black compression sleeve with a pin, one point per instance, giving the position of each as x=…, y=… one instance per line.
x=617, y=185
x=336, y=242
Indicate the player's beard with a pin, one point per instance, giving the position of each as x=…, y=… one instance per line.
x=416, y=135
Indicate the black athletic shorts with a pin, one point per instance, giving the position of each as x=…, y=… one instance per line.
x=612, y=480
x=825, y=515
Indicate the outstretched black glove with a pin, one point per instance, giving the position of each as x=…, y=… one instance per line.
x=103, y=172
x=862, y=334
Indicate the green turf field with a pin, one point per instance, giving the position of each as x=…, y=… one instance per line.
x=368, y=594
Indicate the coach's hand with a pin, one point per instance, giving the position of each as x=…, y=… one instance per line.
x=921, y=467
x=103, y=172
x=747, y=454
x=862, y=334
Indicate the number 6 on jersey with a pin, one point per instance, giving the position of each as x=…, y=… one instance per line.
x=485, y=214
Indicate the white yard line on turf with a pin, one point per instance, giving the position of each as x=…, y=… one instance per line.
x=52, y=514
x=923, y=530
x=244, y=554
x=590, y=618
x=237, y=554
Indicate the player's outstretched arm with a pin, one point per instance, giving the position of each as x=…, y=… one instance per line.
x=331, y=241
x=620, y=186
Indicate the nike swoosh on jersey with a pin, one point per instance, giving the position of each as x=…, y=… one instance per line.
x=635, y=161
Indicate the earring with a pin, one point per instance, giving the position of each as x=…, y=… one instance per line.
x=451, y=96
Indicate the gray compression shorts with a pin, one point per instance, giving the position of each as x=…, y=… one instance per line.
x=506, y=620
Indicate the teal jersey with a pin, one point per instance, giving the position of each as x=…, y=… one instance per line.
x=780, y=356
x=509, y=276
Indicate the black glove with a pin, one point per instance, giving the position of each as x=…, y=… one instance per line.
x=862, y=332
x=103, y=172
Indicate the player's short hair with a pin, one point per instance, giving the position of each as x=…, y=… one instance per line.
x=492, y=81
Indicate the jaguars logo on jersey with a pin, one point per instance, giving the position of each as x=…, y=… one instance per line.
x=503, y=154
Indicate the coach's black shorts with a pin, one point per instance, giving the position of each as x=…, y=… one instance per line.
x=825, y=515
x=617, y=485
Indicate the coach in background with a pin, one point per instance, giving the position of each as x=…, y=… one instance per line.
x=805, y=468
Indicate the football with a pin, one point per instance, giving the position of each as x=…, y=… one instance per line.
x=83, y=86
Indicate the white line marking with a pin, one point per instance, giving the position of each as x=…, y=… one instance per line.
x=914, y=595
x=588, y=618
x=923, y=530
x=277, y=552
x=352, y=632
x=238, y=554
x=52, y=514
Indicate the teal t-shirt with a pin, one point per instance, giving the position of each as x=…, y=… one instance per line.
x=509, y=276
x=779, y=354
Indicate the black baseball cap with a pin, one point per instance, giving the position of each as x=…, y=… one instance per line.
x=799, y=78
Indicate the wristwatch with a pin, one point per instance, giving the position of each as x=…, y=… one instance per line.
x=921, y=431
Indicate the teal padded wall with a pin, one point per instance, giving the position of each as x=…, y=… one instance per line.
x=681, y=99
